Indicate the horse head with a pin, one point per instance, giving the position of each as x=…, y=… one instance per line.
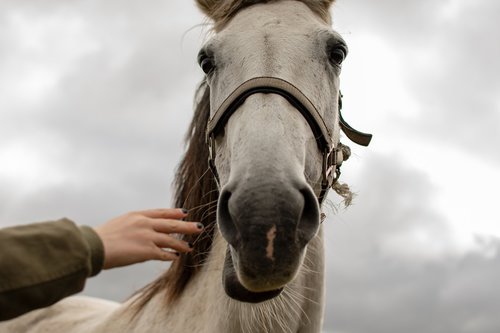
x=263, y=135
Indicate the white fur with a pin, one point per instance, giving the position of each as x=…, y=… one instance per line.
x=272, y=39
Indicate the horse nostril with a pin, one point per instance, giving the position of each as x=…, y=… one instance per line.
x=309, y=219
x=225, y=220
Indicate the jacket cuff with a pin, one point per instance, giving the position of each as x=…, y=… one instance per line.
x=96, y=248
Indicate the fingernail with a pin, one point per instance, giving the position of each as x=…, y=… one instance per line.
x=199, y=226
x=184, y=210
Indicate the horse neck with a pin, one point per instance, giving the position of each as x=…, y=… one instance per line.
x=204, y=306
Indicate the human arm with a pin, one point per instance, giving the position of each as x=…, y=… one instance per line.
x=45, y=262
x=42, y=263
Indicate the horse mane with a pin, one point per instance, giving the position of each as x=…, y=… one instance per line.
x=222, y=11
x=196, y=191
x=195, y=186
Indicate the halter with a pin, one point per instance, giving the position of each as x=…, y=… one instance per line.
x=333, y=154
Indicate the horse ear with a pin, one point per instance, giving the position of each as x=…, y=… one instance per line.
x=208, y=7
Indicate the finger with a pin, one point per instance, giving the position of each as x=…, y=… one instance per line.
x=176, y=226
x=166, y=255
x=164, y=213
x=166, y=241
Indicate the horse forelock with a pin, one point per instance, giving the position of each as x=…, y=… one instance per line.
x=196, y=191
x=222, y=11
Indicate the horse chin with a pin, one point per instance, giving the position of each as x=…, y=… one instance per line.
x=236, y=290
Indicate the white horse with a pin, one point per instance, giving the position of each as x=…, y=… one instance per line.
x=270, y=115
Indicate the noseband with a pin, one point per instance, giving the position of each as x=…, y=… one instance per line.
x=333, y=153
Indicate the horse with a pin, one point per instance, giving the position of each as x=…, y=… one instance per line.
x=263, y=149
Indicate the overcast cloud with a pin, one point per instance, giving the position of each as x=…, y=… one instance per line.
x=96, y=96
x=450, y=52
x=393, y=265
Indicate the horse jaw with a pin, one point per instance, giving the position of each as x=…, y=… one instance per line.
x=235, y=289
x=268, y=160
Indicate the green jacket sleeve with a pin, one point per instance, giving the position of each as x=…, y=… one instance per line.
x=42, y=263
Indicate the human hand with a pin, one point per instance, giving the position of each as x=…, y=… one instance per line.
x=143, y=235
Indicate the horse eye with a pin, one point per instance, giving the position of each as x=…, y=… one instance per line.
x=206, y=62
x=337, y=55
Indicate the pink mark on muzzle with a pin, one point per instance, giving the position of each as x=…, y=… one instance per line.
x=271, y=235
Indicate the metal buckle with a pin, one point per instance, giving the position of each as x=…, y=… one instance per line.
x=329, y=162
x=211, y=158
x=211, y=147
x=329, y=165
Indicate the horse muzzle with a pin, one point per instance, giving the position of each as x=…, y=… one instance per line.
x=267, y=227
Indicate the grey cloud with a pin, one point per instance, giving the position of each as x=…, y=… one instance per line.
x=94, y=202
x=460, y=103
x=445, y=296
x=457, y=94
x=372, y=290
x=122, y=110
x=401, y=21
x=120, y=113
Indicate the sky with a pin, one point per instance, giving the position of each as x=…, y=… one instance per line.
x=96, y=97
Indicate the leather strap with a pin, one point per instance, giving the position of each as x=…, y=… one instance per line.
x=277, y=86
x=356, y=136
